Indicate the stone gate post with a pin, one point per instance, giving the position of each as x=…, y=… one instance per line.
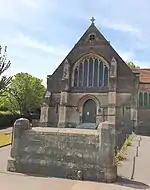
x=108, y=151
x=20, y=126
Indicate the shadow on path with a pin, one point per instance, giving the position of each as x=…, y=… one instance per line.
x=130, y=183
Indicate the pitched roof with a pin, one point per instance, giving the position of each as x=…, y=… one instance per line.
x=92, y=29
x=144, y=74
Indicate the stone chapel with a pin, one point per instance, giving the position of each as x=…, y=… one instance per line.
x=91, y=85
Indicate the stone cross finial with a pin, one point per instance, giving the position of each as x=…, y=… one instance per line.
x=92, y=20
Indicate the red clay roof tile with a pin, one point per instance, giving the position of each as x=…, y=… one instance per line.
x=144, y=74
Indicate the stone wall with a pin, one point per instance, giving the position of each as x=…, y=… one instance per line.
x=65, y=153
x=74, y=117
x=143, y=121
x=123, y=117
x=144, y=112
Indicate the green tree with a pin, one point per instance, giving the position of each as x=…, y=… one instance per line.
x=4, y=102
x=25, y=93
x=131, y=65
x=4, y=65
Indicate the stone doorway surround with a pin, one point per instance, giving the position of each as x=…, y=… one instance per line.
x=83, y=100
x=89, y=111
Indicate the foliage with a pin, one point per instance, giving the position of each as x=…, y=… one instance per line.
x=131, y=65
x=4, y=65
x=120, y=156
x=5, y=138
x=25, y=93
x=7, y=118
x=4, y=102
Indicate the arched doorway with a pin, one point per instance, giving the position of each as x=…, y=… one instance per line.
x=89, y=112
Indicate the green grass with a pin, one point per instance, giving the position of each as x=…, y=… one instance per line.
x=120, y=156
x=5, y=138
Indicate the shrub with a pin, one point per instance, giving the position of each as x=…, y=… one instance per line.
x=120, y=156
x=7, y=118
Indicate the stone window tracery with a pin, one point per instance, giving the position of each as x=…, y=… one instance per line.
x=91, y=37
x=91, y=72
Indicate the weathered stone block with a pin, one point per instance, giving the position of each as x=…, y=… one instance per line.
x=59, y=152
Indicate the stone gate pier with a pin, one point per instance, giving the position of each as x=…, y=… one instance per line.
x=62, y=152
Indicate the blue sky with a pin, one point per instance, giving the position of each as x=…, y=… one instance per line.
x=40, y=33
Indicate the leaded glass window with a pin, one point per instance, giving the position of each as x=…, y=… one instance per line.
x=76, y=77
x=90, y=71
x=101, y=68
x=85, y=73
x=141, y=99
x=95, y=72
x=80, y=74
x=106, y=76
x=145, y=99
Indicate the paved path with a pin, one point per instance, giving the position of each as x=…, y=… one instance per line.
x=7, y=130
x=142, y=163
x=14, y=181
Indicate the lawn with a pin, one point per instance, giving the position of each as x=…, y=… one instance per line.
x=5, y=138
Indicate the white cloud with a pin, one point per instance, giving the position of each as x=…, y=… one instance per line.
x=27, y=41
x=121, y=27
x=31, y=4
x=24, y=12
x=142, y=64
x=126, y=55
x=30, y=24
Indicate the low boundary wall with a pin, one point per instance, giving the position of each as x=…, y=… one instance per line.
x=66, y=153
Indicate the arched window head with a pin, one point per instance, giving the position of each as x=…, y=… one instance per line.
x=90, y=72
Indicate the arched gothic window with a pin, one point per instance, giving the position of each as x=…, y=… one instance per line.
x=76, y=77
x=106, y=76
x=101, y=71
x=80, y=74
x=141, y=99
x=85, y=72
x=90, y=72
x=95, y=72
x=145, y=99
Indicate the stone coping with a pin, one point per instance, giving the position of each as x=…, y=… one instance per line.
x=65, y=130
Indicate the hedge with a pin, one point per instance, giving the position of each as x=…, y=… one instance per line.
x=7, y=119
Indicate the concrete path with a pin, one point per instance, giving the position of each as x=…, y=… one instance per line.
x=142, y=170
x=15, y=181
x=141, y=174
x=7, y=130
